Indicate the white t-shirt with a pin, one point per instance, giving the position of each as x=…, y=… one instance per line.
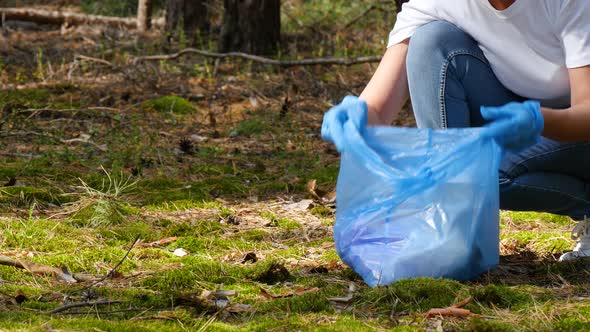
x=530, y=45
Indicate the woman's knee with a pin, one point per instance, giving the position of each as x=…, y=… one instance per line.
x=438, y=38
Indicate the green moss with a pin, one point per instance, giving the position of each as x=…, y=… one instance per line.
x=310, y=302
x=170, y=104
x=196, y=270
x=86, y=258
x=288, y=224
x=524, y=217
x=253, y=235
x=572, y=324
x=418, y=294
x=217, y=247
x=480, y=325
x=324, y=174
x=321, y=211
x=40, y=235
x=500, y=296
x=20, y=99
x=541, y=242
x=196, y=228
x=182, y=205
x=128, y=231
x=252, y=126
x=27, y=196
x=28, y=322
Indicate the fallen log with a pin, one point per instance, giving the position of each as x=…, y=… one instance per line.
x=59, y=18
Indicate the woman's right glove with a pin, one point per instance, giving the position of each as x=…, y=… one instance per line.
x=515, y=126
x=351, y=108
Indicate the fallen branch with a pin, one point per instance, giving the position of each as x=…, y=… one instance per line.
x=59, y=18
x=260, y=59
x=91, y=59
x=66, y=307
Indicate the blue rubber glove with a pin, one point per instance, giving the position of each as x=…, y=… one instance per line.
x=351, y=108
x=515, y=126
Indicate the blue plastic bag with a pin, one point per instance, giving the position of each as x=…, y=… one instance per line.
x=418, y=202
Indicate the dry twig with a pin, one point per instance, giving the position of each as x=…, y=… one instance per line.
x=113, y=270
x=69, y=306
x=260, y=59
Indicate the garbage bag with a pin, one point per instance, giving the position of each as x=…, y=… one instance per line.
x=418, y=203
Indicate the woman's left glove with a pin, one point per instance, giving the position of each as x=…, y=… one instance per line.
x=515, y=126
x=351, y=108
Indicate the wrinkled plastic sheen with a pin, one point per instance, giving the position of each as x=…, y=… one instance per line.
x=418, y=202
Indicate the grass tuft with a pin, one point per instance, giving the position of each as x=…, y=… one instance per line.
x=103, y=206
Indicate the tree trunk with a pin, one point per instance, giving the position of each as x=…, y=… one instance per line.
x=144, y=15
x=251, y=26
x=398, y=4
x=187, y=16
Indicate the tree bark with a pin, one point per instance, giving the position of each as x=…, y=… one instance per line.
x=59, y=18
x=144, y=15
x=189, y=16
x=399, y=3
x=251, y=26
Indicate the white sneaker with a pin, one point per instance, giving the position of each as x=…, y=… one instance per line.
x=580, y=234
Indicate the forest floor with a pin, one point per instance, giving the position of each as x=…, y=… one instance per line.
x=190, y=195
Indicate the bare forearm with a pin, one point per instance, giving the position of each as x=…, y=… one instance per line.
x=387, y=91
x=568, y=125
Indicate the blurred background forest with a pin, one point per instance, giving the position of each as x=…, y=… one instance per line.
x=161, y=169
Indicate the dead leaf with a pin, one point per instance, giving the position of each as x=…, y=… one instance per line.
x=180, y=252
x=319, y=195
x=311, y=188
x=329, y=197
x=157, y=243
x=301, y=206
x=62, y=274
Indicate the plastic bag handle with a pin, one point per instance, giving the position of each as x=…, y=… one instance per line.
x=358, y=146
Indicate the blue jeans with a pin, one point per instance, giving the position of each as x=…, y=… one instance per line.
x=450, y=79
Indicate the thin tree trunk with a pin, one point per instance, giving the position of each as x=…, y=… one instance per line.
x=251, y=26
x=144, y=15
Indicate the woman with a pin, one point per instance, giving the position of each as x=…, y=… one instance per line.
x=519, y=67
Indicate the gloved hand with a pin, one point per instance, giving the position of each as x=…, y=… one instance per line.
x=351, y=108
x=515, y=126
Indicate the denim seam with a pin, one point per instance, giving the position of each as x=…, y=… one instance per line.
x=554, y=191
x=509, y=172
x=443, y=81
